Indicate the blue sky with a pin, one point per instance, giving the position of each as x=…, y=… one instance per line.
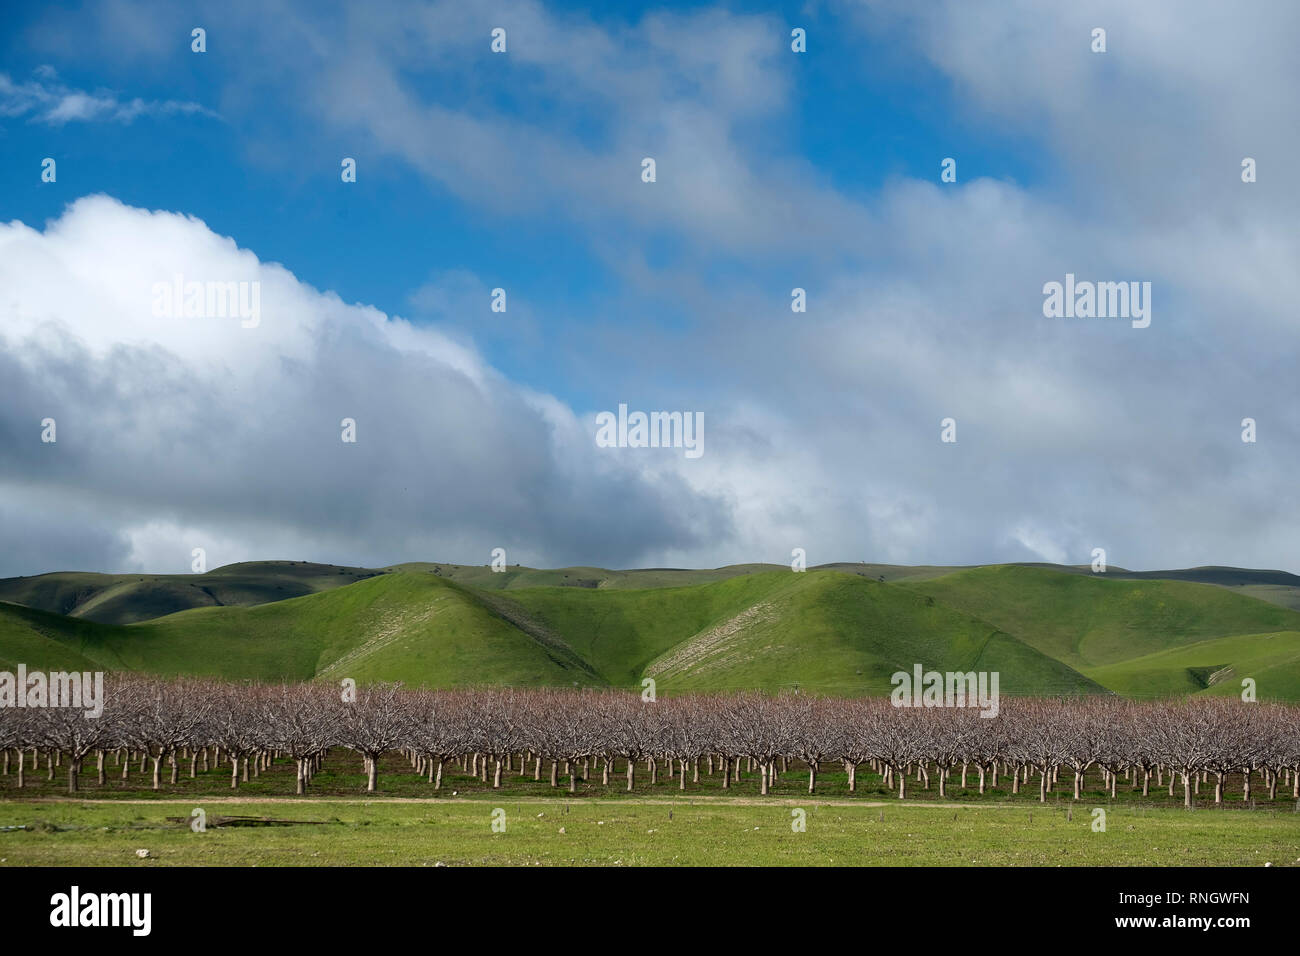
x=776, y=170
x=859, y=113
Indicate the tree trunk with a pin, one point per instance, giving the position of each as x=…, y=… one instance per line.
x=631, y=773
x=372, y=774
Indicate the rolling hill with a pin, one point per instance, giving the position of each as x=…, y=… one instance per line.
x=840, y=629
x=1090, y=621
x=128, y=598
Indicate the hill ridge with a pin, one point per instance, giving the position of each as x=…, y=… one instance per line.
x=835, y=628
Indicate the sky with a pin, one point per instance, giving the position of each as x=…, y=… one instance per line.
x=775, y=169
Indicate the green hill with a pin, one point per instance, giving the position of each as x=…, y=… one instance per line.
x=840, y=634
x=400, y=626
x=824, y=630
x=46, y=641
x=127, y=598
x=841, y=629
x=1089, y=621
x=1215, y=666
x=516, y=577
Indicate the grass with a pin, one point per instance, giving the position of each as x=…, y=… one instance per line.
x=407, y=822
x=639, y=832
x=840, y=630
x=399, y=626
x=129, y=598
x=1090, y=621
x=1214, y=667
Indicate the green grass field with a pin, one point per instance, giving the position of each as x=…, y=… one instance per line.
x=637, y=832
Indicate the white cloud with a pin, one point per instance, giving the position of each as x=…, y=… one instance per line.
x=46, y=100
x=173, y=432
x=822, y=429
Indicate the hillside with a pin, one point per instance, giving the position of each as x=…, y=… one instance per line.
x=50, y=642
x=1213, y=667
x=128, y=598
x=400, y=626
x=823, y=630
x=1094, y=620
x=840, y=629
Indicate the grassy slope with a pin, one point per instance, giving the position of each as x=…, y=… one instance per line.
x=1215, y=666
x=621, y=631
x=47, y=641
x=824, y=630
x=128, y=598
x=836, y=631
x=1092, y=621
x=409, y=627
x=516, y=577
x=842, y=634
